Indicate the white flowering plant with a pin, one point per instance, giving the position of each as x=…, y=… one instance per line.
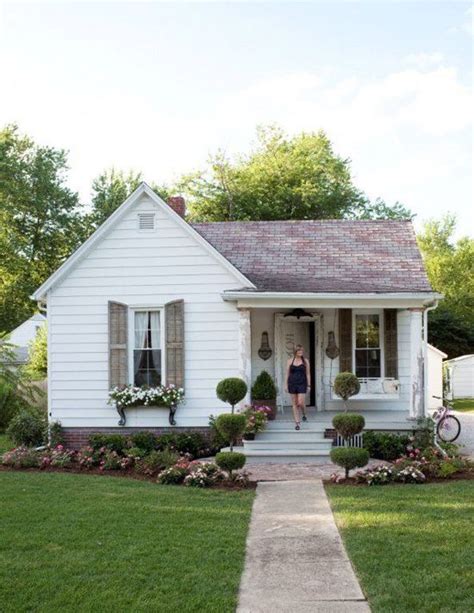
x=134, y=396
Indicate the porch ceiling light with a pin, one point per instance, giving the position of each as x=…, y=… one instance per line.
x=298, y=313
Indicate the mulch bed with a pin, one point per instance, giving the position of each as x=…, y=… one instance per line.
x=225, y=485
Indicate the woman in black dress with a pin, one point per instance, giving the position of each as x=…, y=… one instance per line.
x=298, y=382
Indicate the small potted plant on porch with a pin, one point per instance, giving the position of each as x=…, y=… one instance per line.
x=264, y=393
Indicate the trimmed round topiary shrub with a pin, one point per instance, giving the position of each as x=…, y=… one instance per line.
x=231, y=390
x=349, y=458
x=346, y=385
x=230, y=461
x=27, y=428
x=231, y=426
x=348, y=424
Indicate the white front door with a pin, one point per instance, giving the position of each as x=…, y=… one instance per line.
x=293, y=332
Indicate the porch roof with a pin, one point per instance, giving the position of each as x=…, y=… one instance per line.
x=322, y=256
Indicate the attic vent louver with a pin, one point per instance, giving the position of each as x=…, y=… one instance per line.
x=146, y=221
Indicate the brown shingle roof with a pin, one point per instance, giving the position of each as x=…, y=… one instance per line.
x=322, y=256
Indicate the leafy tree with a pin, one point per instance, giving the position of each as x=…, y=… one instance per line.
x=37, y=367
x=109, y=190
x=39, y=221
x=450, y=268
x=282, y=178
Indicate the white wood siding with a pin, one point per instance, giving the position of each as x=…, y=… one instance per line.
x=140, y=269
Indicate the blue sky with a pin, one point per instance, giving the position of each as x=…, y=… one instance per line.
x=157, y=86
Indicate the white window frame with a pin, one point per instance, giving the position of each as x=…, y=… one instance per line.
x=380, y=313
x=131, y=337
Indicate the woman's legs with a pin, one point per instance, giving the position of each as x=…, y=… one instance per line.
x=296, y=411
x=301, y=402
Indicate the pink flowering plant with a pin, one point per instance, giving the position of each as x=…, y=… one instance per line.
x=133, y=396
x=257, y=417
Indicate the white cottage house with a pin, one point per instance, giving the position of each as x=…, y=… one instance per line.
x=208, y=297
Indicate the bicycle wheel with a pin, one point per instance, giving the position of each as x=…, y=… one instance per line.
x=448, y=429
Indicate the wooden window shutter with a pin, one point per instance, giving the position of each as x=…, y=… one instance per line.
x=174, y=318
x=390, y=342
x=345, y=340
x=118, y=334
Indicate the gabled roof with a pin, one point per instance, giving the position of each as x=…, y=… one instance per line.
x=118, y=214
x=322, y=256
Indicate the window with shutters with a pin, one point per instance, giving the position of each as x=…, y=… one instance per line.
x=368, y=344
x=147, y=348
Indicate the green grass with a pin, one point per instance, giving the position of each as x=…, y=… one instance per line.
x=89, y=543
x=5, y=443
x=411, y=545
x=466, y=405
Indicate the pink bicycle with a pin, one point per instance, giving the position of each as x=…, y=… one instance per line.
x=448, y=427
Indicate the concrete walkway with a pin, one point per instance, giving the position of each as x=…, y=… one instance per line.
x=295, y=561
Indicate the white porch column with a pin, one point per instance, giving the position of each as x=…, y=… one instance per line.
x=245, y=351
x=417, y=390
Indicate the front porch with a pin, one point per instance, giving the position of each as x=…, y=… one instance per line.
x=391, y=368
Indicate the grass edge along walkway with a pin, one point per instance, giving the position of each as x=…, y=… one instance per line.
x=86, y=543
x=411, y=545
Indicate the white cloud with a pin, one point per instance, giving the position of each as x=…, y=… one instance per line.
x=424, y=60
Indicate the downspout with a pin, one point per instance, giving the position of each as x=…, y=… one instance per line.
x=425, y=368
x=432, y=307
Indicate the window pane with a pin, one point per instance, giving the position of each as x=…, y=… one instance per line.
x=367, y=331
x=368, y=363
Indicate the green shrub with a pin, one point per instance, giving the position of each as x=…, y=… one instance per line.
x=231, y=390
x=27, y=428
x=423, y=433
x=191, y=442
x=348, y=424
x=449, y=467
x=231, y=426
x=11, y=403
x=385, y=445
x=230, y=461
x=56, y=434
x=346, y=385
x=217, y=441
x=144, y=440
x=349, y=458
x=112, y=442
x=264, y=387
x=155, y=461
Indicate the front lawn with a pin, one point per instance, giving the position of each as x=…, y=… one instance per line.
x=411, y=545
x=465, y=405
x=84, y=543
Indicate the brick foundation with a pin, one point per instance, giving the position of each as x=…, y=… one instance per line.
x=75, y=438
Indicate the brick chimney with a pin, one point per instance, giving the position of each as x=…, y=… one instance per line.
x=178, y=204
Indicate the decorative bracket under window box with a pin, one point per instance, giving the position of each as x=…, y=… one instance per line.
x=123, y=417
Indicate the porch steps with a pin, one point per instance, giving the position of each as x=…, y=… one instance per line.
x=284, y=456
x=280, y=442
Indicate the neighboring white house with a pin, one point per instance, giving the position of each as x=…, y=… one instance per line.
x=151, y=298
x=22, y=336
x=460, y=377
x=435, y=376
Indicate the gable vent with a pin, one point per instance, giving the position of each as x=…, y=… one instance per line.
x=146, y=221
